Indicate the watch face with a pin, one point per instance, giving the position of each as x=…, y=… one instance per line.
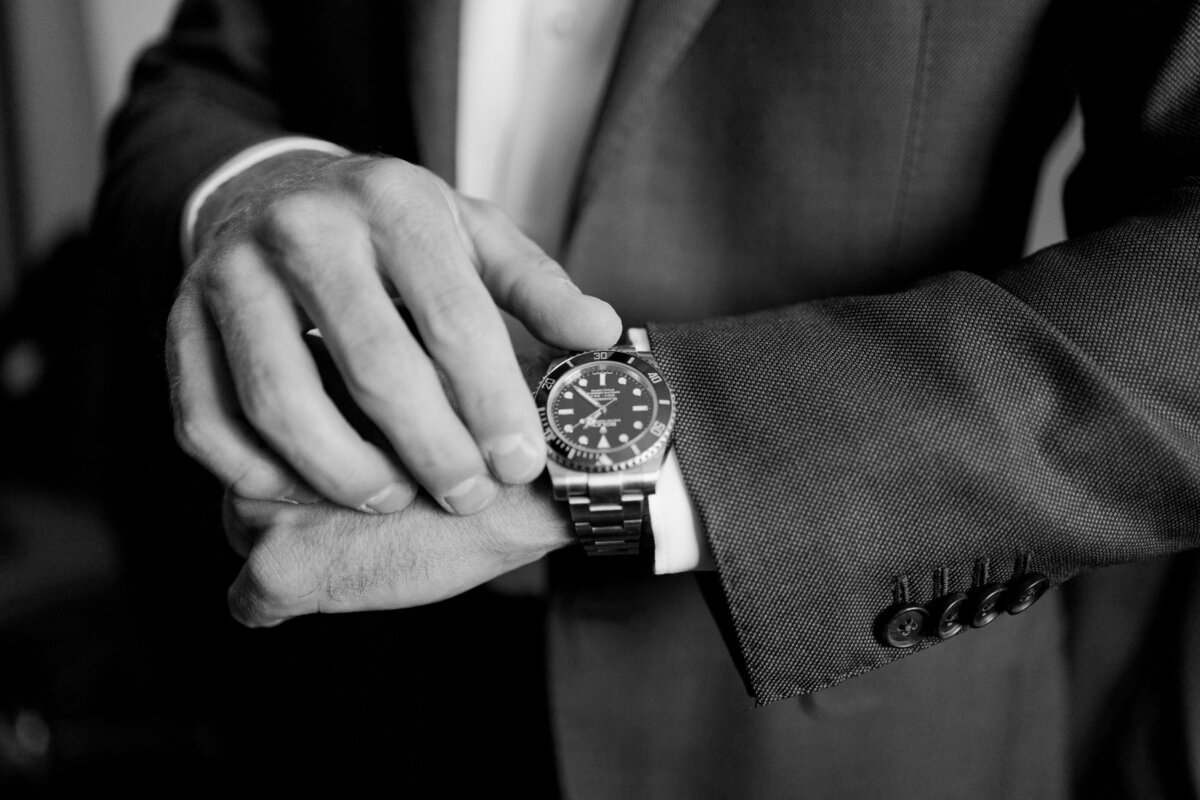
x=605, y=410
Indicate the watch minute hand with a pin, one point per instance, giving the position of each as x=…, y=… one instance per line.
x=588, y=397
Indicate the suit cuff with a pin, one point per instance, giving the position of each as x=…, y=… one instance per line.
x=679, y=541
x=234, y=167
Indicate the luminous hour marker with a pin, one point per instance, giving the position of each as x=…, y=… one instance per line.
x=582, y=381
x=568, y=395
x=565, y=411
x=583, y=440
x=603, y=442
x=622, y=381
x=638, y=424
x=603, y=376
x=624, y=437
x=637, y=392
x=636, y=408
x=568, y=428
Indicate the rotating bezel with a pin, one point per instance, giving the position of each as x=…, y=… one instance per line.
x=613, y=459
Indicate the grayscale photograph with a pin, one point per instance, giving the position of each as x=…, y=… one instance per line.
x=600, y=399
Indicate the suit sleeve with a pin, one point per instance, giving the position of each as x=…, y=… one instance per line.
x=849, y=454
x=201, y=95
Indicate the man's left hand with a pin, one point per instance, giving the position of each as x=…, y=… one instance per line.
x=322, y=558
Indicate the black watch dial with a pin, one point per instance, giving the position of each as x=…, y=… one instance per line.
x=604, y=410
x=602, y=407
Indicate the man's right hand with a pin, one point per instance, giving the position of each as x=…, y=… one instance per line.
x=306, y=240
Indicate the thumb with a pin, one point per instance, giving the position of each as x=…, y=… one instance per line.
x=533, y=287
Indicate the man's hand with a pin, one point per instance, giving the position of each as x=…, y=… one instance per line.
x=321, y=558
x=328, y=242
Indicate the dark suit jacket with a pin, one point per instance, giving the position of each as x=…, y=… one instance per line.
x=820, y=207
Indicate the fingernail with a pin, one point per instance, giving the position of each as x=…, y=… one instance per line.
x=470, y=497
x=301, y=496
x=390, y=500
x=514, y=458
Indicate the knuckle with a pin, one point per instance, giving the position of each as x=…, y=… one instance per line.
x=247, y=476
x=181, y=314
x=290, y=222
x=243, y=605
x=264, y=402
x=541, y=267
x=505, y=406
x=250, y=606
x=194, y=434
x=185, y=321
x=385, y=178
x=457, y=315
x=401, y=192
x=531, y=283
x=221, y=275
x=254, y=480
x=372, y=362
x=270, y=582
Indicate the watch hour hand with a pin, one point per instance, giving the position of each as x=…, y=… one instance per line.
x=591, y=418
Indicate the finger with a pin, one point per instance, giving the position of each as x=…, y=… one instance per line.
x=421, y=252
x=326, y=561
x=246, y=519
x=280, y=392
x=326, y=254
x=237, y=532
x=532, y=286
x=207, y=424
x=323, y=559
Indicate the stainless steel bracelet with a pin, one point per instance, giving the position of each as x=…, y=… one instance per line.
x=608, y=510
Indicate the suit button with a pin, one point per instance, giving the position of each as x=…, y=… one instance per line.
x=947, y=614
x=988, y=604
x=1027, y=591
x=902, y=625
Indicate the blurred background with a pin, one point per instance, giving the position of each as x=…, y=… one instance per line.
x=77, y=670
x=89, y=674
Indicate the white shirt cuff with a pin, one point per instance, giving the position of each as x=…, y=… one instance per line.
x=236, y=166
x=679, y=541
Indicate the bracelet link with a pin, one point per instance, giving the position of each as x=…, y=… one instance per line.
x=608, y=515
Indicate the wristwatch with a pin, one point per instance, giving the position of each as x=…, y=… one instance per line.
x=607, y=416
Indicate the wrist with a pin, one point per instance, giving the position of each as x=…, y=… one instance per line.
x=534, y=525
x=235, y=166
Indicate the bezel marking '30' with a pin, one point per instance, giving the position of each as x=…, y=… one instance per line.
x=640, y=447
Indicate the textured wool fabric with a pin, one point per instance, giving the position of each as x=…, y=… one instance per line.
x=1047, y=415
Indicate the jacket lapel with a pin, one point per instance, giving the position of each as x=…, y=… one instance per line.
x=433, y=74
x=656, y=37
